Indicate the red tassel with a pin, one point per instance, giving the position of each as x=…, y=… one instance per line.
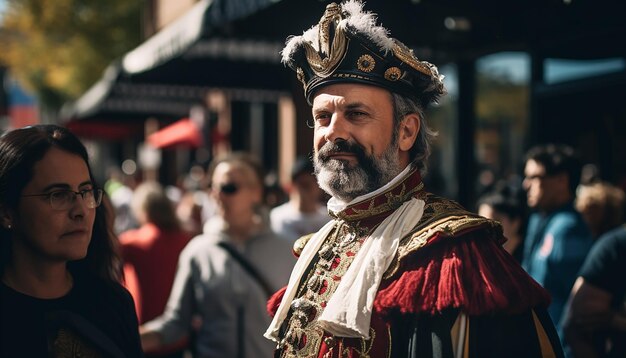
x=274, y=301
x=469, y=272
x=449, y=282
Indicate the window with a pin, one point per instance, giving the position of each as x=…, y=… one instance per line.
x=502, y=102
x=560, y=70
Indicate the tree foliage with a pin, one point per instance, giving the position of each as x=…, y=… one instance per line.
x=499, y=98
x=58, y=48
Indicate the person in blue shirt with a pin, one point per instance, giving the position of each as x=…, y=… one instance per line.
x=557, y=239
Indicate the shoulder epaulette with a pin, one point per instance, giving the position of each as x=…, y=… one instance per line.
x=442, y=218
x=299, y=244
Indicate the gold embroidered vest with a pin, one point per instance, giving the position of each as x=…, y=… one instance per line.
x=300, y=334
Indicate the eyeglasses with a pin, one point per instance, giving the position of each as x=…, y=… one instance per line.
x=536, y=177
x=65, y=199
x=229, y=188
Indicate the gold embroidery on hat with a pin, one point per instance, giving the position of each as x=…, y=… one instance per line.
x=365, y=63
x=406, y=55
x=349, y=75
x=332, y=50
x=393, y=74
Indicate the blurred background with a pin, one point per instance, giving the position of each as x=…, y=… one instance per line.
x=156, y=88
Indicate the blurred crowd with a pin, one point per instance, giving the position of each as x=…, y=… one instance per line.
x=567, y=228
x=168, y=232
x=554, y=220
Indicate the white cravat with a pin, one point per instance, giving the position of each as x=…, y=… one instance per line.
x=349, y=310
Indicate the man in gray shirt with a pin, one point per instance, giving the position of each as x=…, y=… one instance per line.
x=213, y=285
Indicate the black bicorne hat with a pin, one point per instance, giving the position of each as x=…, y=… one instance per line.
x=348, y=46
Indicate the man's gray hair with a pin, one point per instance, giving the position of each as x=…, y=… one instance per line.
x=420, y=151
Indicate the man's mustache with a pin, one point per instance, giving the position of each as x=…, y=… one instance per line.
x=343, y=146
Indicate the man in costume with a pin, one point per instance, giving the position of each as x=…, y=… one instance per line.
x=398, y=272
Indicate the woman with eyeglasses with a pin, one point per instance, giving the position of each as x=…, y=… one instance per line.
x=59, y=294
x=225, y=275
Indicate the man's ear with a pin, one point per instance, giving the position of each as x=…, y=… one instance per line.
x=409, y=128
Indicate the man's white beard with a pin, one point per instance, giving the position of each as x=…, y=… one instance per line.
x=346, y=181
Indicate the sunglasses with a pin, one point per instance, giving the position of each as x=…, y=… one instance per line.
x=229, y=188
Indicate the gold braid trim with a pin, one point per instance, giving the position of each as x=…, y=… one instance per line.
x=406, y=55
x=393, y=202
x=441, y=216
x=333, y=49
x=300, y=243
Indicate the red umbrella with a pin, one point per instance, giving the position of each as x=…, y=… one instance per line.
x=184, y=132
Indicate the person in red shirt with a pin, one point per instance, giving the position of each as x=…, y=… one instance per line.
x=150, y=256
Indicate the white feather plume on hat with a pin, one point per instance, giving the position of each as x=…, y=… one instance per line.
x=357, y=21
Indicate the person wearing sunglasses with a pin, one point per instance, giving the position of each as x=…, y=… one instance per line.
x=60, y=293
x=226, y=275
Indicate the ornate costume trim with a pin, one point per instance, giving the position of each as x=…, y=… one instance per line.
x=370, y=210
x=442, y=218
x=299, y=244
x=349, y=309
x=333, y=287
x=337, y=294
x=470, y=272
x=332, y=51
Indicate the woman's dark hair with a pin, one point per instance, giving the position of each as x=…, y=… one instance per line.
x=20, y=150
